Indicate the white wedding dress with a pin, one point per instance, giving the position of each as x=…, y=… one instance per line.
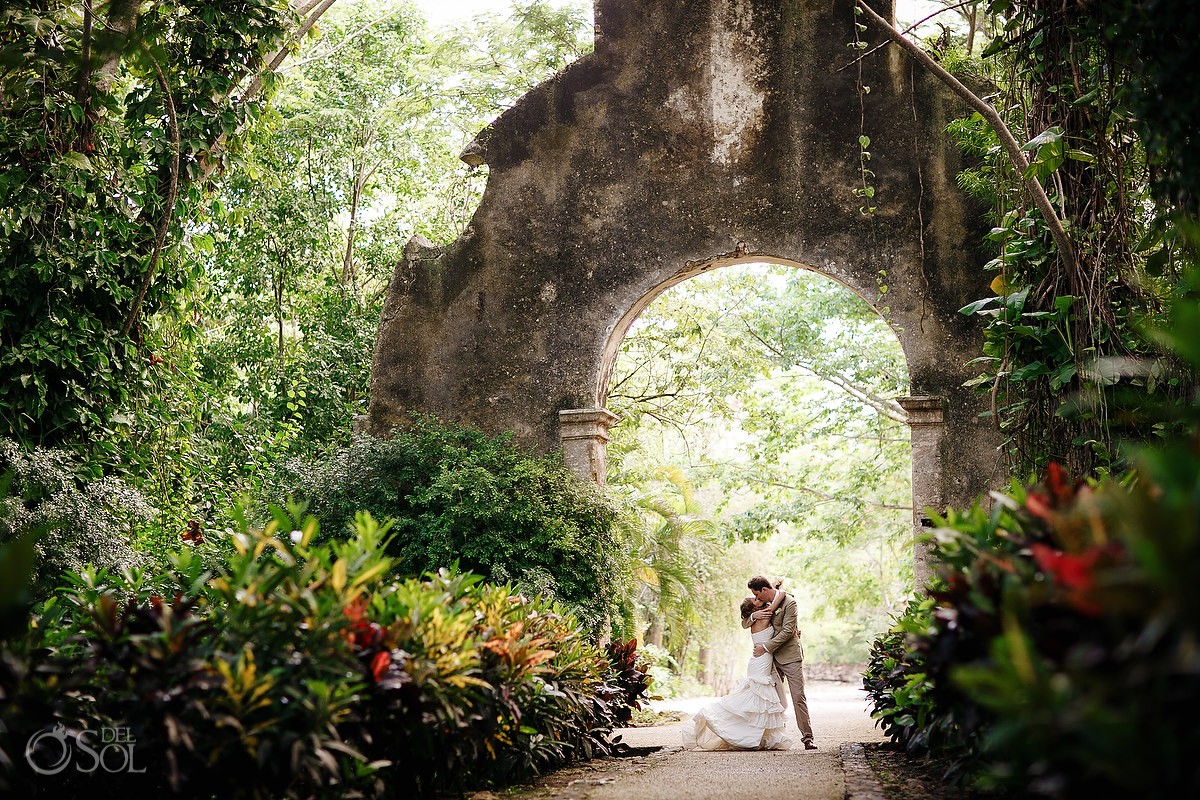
x=749, y=718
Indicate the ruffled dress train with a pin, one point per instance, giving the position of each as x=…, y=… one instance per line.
x=751, y=717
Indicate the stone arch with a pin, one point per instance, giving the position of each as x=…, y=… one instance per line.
x=620, y=329
x=698, y=133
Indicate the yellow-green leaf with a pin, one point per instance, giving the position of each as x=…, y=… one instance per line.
x=339, y=575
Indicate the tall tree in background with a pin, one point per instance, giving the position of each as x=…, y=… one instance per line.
x=113, y=116
x=358, y=154
x=190, y=278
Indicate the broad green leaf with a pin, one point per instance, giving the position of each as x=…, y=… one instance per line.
x=977, y=306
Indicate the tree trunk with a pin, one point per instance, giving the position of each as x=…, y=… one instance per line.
x=654, y=633
x=972, y=26
x=704, y=668
x=118, y=25
x=362, y=174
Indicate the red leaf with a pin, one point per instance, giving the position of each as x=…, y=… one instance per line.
x=1073, y=572
x=1040, y=506
x=380, y=664
x=1061, y=487
x=357, y=610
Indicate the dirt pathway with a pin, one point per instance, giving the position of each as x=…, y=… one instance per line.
x=839, y=716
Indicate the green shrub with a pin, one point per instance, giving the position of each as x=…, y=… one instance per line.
x=73, y=521
x=898, y=689
x=1058, y=654
x=455, y=495
x=297, y=669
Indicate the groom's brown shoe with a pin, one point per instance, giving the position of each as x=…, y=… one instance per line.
x=809, y=746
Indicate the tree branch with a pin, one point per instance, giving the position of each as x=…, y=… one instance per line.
x=314, y=11
x=909, y=29
x=825, y=496
x=889, y=408
x=345, y=40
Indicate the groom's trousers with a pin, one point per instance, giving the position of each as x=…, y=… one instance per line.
x=794, y=672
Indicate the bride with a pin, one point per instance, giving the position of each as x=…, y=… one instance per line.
x=751, y=717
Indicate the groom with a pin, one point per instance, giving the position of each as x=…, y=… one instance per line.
x=785, y=647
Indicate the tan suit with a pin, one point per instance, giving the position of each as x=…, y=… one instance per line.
x=784, y=645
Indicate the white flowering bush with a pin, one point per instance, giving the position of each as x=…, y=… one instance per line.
x=76, y=522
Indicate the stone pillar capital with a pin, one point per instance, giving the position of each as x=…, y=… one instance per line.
x=924, y=410
x=583, y=433
x=575, y=423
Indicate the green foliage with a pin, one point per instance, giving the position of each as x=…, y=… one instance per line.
x=1078, y=86
x=774, y=387
x=264, y=252
x=898, y=690
x=68, y=520
x=108, y=117
x=455, y=495
x=1156, y=42
x=508, y=56
x=295, y=668
x=1057, y=655
x=266, y=353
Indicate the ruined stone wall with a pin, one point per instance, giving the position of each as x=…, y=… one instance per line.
x=698, y=135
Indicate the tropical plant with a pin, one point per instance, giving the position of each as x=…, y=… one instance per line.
x=631, y=677
x=295, y=667
x=1084, y=215
x=1055, y=656
x=669, y=543
x=456, y=495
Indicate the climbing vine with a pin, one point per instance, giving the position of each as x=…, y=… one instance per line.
x=1082, y=254
x=865, y=191
x=1059, y=322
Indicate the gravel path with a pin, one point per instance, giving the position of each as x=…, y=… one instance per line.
x=839, y=718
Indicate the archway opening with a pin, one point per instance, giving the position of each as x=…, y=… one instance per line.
x=759, y=434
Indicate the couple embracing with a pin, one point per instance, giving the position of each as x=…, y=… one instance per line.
x=752, y=716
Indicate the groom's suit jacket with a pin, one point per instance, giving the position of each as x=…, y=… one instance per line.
x=784, y=644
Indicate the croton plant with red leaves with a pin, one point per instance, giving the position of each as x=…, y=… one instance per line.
x=1058, y=651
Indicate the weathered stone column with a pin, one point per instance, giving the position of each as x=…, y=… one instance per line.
x=584, y=436
x=926, y=419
